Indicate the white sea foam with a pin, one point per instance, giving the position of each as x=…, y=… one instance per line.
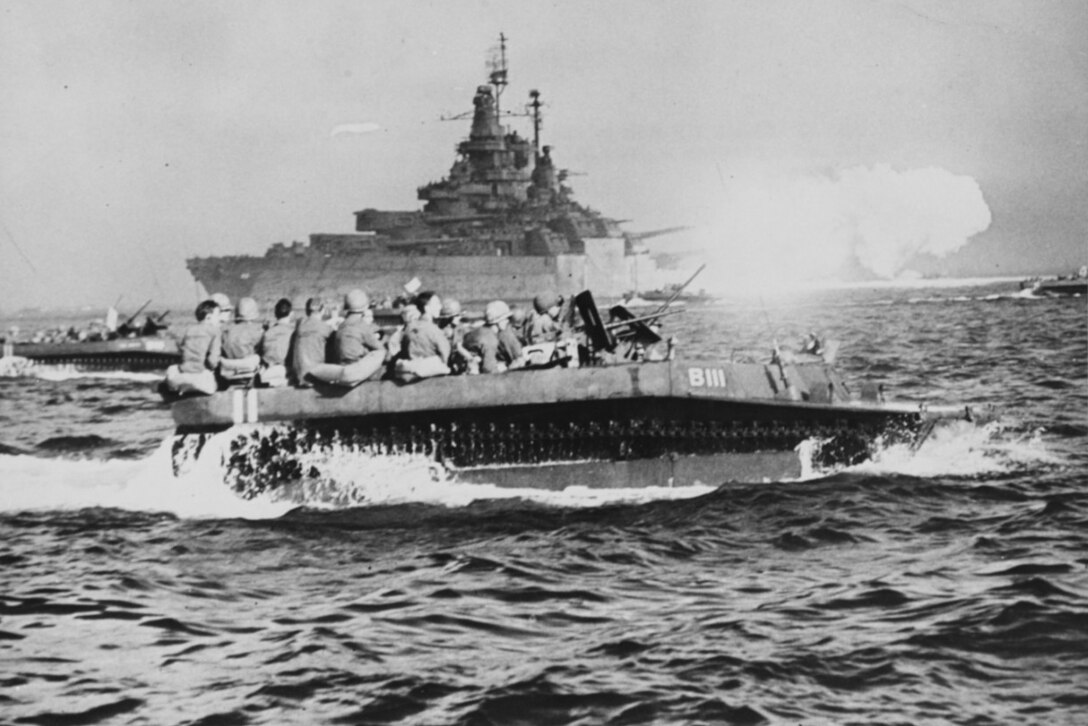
x=350, y=478
x=148, y=485
x=17, y=366
x=964, y=449
x=67, y=373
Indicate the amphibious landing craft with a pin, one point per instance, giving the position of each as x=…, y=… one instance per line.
x=126, y=347
x=598, y=419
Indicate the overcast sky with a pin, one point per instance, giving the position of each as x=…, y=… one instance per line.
x=134, y=134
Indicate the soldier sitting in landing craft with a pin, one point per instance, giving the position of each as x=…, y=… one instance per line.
x=519, y=324
x=310, y=342
x=494, y=343
x=226, y=310
x=275, y=346
x=241, y=360
x=200, y=353
x=543, y=325
x=449, y=321
x=424, y=347
x=394, y=339
x=358, y=355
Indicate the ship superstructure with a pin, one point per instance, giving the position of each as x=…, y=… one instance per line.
x=501, y=224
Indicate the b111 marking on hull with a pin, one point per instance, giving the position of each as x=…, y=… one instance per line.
x=708, y=377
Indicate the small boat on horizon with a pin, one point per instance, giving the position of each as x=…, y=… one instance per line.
x=1060, y=286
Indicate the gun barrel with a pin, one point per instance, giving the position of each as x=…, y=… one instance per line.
x=133, y=316
x=641, y=319
x=656, y=232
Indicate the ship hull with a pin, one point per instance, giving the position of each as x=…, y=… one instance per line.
x=605, y=268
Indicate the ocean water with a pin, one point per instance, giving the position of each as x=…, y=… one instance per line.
x=947, y=585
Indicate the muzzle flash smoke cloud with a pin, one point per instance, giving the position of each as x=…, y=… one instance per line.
x=810, y=228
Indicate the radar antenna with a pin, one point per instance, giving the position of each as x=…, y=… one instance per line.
x=497, y=79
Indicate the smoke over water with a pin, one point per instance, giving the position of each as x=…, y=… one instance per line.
x=863, y=222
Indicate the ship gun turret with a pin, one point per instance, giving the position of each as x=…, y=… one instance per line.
x=640, y=236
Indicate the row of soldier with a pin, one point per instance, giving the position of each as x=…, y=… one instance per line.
x=433, y=339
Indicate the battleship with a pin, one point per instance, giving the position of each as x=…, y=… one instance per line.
x=503, y=224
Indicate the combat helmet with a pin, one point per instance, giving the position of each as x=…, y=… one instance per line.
x=247, y=310
x=450, y=308
x=545, y=302
x=356, y=301
x=222, y=301
x=496, y=311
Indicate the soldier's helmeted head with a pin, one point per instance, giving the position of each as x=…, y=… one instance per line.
x=356, y=301
x=496, y=313
x=248, y=310
x=450, y=309
x=546, y=303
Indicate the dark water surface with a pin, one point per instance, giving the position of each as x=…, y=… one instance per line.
x=945, y=586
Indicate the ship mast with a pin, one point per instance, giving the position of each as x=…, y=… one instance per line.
x=498, y=74
x=535, y=106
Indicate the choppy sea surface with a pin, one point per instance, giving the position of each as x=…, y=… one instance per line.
x=947, y=585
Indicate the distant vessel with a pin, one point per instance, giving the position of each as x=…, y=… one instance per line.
x=139, y=353
x=126, y=347
x=501, y=224
x=672, y=294
x=1054, y=286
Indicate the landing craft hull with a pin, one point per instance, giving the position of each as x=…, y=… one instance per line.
x=671, y=423
x=1061, y=288
x=664, y=471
